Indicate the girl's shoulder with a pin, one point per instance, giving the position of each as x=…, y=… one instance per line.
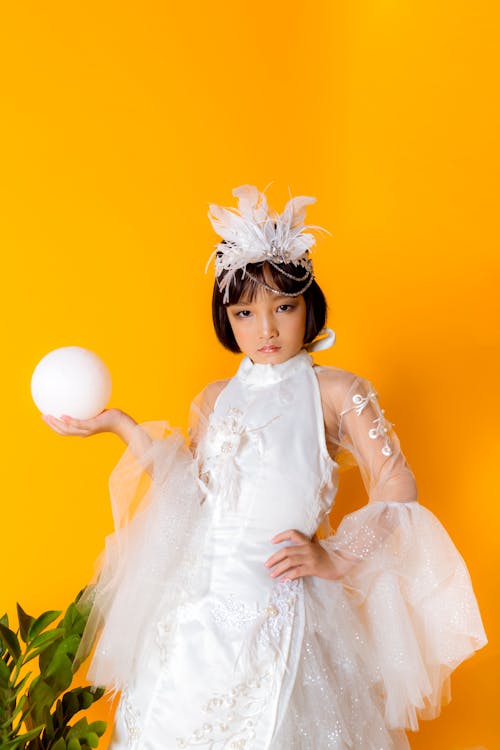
x=208, y=395
x=336, y=383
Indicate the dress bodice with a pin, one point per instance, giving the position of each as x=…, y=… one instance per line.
x=264, y=456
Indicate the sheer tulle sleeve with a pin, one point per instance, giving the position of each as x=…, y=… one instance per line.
x=400, y=568
x=200, y=410
x=155, y=550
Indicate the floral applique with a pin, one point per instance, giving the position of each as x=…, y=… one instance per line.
x=233, y=613
x=279, y=612
x=226, y=436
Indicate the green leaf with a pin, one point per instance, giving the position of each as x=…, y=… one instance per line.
x=69, y=645
x=79, y=730
x=41, y=623
x=4, y=674
x=74, y=744
x=21, y=684
x=70, y=704
x=60, y=674
x=60, y=744
x=72, y=620
x=4, y=620
x=60, y=663
x=98, y=693
x=25, y=621
x=11, y=641
x=92, y=739
x=19, y=707
x=46, y=657
x=41, y=642
x=59, y=714
x=40, y=694
x=23, y=738
x=99, y=727
x=87, y=699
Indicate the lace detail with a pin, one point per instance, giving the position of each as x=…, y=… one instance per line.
x=382, y=425
x=163, y=635
x=233, y=613
x=279, y=612
x=233, y=716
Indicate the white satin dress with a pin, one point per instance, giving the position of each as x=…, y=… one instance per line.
x=237, y=660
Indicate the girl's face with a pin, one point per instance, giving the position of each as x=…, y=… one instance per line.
x=271, y=328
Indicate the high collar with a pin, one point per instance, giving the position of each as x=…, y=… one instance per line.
x=267, y=374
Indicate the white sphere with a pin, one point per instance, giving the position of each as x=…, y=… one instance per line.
x=73, y=381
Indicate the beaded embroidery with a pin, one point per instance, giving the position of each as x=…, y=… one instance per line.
x=234, y=716
x=131, y=717
x=382, y=425
x=236, y=713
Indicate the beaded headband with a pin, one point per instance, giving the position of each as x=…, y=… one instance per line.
x=252, y=233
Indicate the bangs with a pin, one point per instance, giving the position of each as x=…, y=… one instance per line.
x=244, y=288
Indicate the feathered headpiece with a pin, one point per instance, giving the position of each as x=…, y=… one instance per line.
x=252, y=233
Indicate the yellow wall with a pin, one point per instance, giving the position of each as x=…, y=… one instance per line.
x=120, y=121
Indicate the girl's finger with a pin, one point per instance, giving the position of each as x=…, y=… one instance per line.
x=55, y=427
x=62, y=427
x=290, y=562
x=283, y=553
x=298, y=572
x=290, y=535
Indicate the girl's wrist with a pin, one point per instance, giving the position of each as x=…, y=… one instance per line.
x=123, y=425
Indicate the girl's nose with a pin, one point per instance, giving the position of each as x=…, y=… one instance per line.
x=267, y=327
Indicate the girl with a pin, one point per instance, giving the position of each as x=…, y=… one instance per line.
x=228, y=614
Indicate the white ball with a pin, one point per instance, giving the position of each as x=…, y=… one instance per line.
x=71, y=380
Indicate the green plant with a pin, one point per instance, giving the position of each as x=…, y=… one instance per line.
x=35, y=710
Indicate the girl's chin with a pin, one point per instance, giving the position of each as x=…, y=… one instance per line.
x=274, y=356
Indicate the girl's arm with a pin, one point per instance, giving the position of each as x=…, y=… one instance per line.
x=361, y=434
x=110, y=420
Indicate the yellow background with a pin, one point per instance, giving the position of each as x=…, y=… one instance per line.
x=121, y=121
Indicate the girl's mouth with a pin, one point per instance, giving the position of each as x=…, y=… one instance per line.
x=269, y=349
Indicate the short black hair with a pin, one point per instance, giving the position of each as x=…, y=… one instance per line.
x=242, y=286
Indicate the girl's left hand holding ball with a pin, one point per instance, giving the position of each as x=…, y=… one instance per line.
x=107, y=421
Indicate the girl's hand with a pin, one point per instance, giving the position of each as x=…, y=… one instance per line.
x=108, y=420
x=305, y=557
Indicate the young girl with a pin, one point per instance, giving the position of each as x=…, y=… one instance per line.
x=228, y=614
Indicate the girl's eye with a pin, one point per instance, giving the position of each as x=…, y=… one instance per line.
x=243, y=313
x=284, y=308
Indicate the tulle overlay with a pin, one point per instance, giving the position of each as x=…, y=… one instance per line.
x=207, y=649
x=157, y=498
x=414, y=599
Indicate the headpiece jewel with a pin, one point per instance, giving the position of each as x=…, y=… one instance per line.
x=252, y=233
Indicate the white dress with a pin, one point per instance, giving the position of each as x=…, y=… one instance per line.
x=209, y=650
